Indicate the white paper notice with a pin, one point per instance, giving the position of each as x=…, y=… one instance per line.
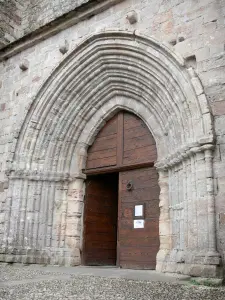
x=138, y=211
x=139, y=223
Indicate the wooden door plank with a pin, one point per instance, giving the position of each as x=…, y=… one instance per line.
x=100, y=220
x=138, y=247
x=118, y=222
x=123, y=143
x=139, y=144
x=104, y=143
x=114, y=169
x=120, y=138
x=103, y=152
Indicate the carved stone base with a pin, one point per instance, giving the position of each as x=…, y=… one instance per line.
x=44, y=257
x=65, y=258
x=193, y=263
x=196, y=270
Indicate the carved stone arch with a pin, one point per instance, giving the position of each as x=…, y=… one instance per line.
x=107, y=72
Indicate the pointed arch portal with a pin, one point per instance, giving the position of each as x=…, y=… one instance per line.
x=109, y=72
x=121, y=208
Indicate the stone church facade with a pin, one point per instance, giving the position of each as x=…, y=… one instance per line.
x=67, y=68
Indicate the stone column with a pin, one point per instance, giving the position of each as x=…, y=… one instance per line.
x=212, y=255
x=73, y=232
x=204, y=259
x=164, y=221
x=188, y=205
x=184, y=165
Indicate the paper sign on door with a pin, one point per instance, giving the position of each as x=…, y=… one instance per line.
x=138, y=211
x=139, y=223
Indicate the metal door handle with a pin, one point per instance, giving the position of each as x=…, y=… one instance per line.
x=129, y=185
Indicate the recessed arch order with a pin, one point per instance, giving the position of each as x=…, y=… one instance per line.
x=107, y=72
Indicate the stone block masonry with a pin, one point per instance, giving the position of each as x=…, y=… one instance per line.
x=10, y=21
x=31, y=189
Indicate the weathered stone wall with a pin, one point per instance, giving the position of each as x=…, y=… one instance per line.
x=194, y=29
x=41, y=12
x=11, y=20
x=21, y=17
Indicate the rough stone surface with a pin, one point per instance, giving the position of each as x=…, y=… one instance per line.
x=40, y=12
x=98, y=288
x=10, y=21
x=11, y=273
x=59, y=286
x=44, y=174
x=21, y=17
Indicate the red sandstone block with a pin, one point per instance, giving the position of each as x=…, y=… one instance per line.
x=2, y=107
x=218, y=108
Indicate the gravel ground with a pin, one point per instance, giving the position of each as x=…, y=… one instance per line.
x=13, y=273
x=92, y=287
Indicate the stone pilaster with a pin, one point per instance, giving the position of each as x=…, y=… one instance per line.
x=164, y=221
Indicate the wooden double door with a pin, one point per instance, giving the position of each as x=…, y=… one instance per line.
x=121, y=180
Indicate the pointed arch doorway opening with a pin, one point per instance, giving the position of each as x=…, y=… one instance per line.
x=121, y=211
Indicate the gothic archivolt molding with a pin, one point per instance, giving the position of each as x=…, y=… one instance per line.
x=114, y=65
